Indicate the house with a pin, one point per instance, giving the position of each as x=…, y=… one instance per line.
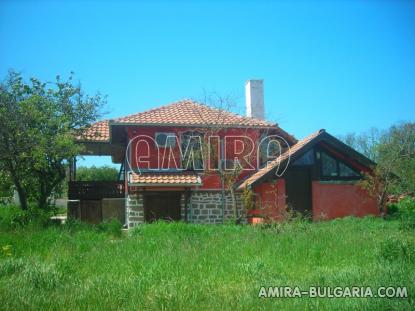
x=177, y=160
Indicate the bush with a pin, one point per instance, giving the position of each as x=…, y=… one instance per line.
x=404, y=211
x=393, y=210
x=406, y=208
x=74, y=225
x=113, y=227
x=12, y=217
x=395, y=249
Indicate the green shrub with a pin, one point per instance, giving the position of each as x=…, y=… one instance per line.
x=398, y=248
x=406, y=209
x=12, y=217
x=113, y=227
x=73, y=225
x=393, y=210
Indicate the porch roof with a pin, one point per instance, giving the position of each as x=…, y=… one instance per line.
x=97, y=132
x=164, y=179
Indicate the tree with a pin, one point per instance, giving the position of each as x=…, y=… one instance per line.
x=394, y=152
x=366, y=143
x=93, y=173
x=209, y=155
x=398, y=149
x=37, y=138
x=6, y=185
x=228, y=170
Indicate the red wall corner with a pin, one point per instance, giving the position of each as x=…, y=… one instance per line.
x=271, y=198
x=331, y=200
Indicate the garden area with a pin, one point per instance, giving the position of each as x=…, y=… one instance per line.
x=47, y=265
x=166, y=266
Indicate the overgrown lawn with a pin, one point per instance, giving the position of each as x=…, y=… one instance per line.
x=205, y=267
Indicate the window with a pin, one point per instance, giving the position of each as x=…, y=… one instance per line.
x=166, y=140
x=306, y=159
x=346, y=171
x=270, y=148
x=192, y=150
x=328, y=165
x=332, y=168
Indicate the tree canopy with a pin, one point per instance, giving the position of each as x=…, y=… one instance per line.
x=40, y=121
x=93, y=173
x=394, y=152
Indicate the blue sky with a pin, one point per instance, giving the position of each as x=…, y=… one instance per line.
x=340, y=65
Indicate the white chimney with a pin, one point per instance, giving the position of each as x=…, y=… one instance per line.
x=254, y=94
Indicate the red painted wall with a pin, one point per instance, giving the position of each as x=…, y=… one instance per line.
x=145, y=151
x=340, y=200
x=270, y=198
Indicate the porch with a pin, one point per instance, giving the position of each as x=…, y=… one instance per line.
x=95, y=201
x=95, y=190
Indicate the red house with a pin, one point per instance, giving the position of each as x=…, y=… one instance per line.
x=191, y=162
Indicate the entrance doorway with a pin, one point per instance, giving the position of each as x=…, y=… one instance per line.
x=298, y=190
x=162, y=206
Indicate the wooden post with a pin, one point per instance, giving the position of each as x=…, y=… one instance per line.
x=186, y=198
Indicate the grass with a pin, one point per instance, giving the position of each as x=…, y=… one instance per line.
x=182, y=266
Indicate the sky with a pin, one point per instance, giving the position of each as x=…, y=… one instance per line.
x=345, y=66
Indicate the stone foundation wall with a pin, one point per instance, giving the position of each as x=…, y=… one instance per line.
x=203, y=207
x=134, y=207
x=206, y=207
x=183, y=207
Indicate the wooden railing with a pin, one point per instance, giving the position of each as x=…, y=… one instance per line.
x=95, y=190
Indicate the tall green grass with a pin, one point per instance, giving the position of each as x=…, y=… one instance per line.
x=181, y=266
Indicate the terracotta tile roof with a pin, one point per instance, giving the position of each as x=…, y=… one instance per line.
x=280, y=160
x=181, y=113
x=97, y=132
x=188, y=112
x=165, y=179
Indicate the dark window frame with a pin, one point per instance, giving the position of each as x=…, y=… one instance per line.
x=182, y=138
x=338, y=161
x=166, y=145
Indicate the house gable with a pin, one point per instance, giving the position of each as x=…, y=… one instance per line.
x=321, y=139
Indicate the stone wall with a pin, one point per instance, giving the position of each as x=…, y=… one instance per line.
x=202, y=207
x=134, y=209
x=206, y=207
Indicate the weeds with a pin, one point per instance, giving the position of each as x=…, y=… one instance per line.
x=208, y=267
x=397, y=248
x=113, y=227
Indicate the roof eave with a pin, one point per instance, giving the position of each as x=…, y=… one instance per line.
x=191, y=125
x=84, y=141
x=365, y=161
x=164, y=184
